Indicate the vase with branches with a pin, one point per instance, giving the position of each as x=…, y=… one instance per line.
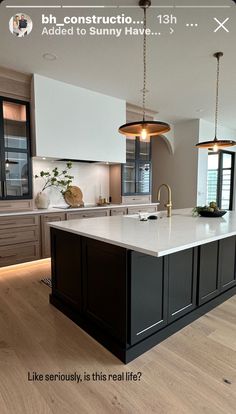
x=60, y=179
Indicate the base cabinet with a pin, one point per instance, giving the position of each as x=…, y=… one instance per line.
x=217, y=271
x=19, y=239
x=105, y=287
x=208, y=272
x=227, y=271
x=182, y=283
x=66, y=268
x=148, y=300
x=45, y=231
x=130, y=301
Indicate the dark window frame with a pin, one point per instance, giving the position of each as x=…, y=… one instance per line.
x=27, y=151
x=220, y=177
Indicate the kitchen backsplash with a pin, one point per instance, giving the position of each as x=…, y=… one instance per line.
x=91, y=178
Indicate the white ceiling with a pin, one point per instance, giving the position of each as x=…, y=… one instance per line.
x=181, y=69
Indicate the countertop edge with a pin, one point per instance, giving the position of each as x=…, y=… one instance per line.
x=71, y=210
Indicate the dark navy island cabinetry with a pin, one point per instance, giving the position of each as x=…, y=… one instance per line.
x=130, y=301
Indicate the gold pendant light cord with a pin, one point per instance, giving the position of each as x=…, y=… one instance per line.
x=144, y=61
x=217, y=96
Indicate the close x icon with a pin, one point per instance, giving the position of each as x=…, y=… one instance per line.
x=221, y=25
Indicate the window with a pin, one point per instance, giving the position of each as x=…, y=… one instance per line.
x=220, y=178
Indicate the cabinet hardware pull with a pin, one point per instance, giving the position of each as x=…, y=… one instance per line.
x=9, y=223
x=4, y=188
x=8, y=237
x=7, y=257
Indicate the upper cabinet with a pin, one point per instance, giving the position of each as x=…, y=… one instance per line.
x=136, y=173
x=75, y=123
x=15, y=169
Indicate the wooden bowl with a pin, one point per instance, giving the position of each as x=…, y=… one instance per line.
x=74, y=196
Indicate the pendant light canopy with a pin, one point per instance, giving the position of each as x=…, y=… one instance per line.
x=216, y=143
x=144, y=128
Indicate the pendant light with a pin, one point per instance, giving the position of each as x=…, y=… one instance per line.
x=216, y=143
x=144, y=128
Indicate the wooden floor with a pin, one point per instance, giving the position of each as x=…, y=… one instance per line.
x=194, y=371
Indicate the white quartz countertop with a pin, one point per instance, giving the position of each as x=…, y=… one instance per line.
x=154, y=237
x=63, y=209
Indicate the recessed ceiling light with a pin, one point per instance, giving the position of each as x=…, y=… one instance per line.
x=43, y=158
x=49, y=56
x=199, y=110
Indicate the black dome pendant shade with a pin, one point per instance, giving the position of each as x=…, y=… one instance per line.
x=144, y=128
x=216, y=143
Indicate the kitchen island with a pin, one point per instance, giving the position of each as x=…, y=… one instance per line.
x=130, y=284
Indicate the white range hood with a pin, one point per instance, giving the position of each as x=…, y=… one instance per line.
x=70, y=122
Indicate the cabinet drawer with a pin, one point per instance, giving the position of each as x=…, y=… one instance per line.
x=19, y=221
x=136, y=210
x=19, y=235
x=16, y=205
x=139, y=199
x=118, y=211
x=87, y=214
x=19, y=253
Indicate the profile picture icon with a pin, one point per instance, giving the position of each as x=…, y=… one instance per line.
x=20, y=25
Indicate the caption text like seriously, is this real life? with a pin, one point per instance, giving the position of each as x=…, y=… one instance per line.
x=77, y=377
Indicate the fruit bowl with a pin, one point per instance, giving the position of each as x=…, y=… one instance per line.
x=211, y=210
x=216, y=213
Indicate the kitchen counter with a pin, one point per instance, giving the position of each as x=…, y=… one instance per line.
x=70, y=210
x=154, y=237
x=130, y=284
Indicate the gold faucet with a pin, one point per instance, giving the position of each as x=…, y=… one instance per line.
x=168, y=205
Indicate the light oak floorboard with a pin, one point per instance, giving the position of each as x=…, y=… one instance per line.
x=183, y=375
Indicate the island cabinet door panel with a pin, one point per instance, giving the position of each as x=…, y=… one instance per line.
x=105, y=287
x=148, y=291
x=208, y=272
x=227, y=274
x=66, y=267
x=182, y=281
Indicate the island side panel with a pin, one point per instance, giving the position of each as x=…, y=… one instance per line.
x=66, y=268
x=105, y=287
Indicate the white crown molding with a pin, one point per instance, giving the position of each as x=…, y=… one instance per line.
x=14, y=75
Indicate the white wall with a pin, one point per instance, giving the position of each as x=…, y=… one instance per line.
x=76, y=123
x=91, y=178
x=180, y=169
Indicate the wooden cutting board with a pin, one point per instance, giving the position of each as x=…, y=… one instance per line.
x=74, y=196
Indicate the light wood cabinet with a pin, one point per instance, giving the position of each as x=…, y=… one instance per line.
x=87, y=214
x=136, y=210
x=19, y=239
x=19, y=253
x=26, y=237
x=8, y=222
x=118, y=211
x=19, y=235
x=45, y=231
x=15, y=205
